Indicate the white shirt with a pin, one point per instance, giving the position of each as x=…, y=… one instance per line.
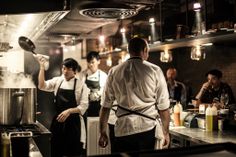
x=81, y=91
x=136, y=84
x=112, y=116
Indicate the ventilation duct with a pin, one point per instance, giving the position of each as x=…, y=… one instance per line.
x=107, y=10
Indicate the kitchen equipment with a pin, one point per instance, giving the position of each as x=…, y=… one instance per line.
x=201, y=122
x=20, y=143
x=40, y=135
x=17, y=106
x=26, y=44
x=190, y=120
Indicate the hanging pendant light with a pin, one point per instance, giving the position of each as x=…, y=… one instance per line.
x=166, y=56
x=196, y=53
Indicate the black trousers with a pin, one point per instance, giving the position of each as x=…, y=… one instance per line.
x=136, y=142
x=112, y=138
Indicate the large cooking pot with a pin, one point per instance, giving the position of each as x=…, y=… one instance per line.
x=17, y=106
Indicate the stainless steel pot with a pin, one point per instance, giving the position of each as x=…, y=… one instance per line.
x=17, y=106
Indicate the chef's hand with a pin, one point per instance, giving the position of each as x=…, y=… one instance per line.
x=63, y=116
x=167, y=141
x=103, y=140
x=41, y=60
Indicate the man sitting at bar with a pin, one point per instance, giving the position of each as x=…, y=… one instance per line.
x=177, y=90
x=216, y=91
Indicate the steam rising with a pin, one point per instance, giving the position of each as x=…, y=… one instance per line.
x=16, y=80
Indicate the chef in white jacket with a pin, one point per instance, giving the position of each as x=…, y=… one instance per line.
x=71, y=102
x=140, y=89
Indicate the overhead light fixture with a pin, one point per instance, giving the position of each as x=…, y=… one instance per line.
x=124, y=39
x=73, y=48
x=124, y=57
x=122, y=30
x=152, y=20
x=109, y=61
x=102, y=39
x=207, y=44
x=197, y=6
x=152, y=37
x=196, y=53
x=166, y=56
x=117, y=49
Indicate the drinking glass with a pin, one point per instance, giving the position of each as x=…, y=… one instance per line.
x=224, y=99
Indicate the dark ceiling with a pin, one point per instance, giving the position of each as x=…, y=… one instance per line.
x=104, y=16
x=76, y=26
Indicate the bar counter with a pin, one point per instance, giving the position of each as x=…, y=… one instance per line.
x=195, y=136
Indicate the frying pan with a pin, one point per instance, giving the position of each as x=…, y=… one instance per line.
x=26, y=44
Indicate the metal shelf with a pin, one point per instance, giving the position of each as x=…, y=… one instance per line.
x=218, y=37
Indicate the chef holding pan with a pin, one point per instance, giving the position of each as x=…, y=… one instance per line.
x=71, y=102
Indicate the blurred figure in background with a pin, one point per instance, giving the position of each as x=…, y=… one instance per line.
x=214, y=90
x=177, y=90
x=71, y=102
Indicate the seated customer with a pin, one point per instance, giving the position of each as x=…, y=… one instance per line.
x=177, y=90
x=215, y=90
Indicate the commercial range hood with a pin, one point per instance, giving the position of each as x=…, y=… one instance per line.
x=27, y=18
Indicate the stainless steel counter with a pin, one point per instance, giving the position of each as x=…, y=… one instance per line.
x=202, y=136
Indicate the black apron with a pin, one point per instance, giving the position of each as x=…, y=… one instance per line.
x=94, y=106
x=66, y=135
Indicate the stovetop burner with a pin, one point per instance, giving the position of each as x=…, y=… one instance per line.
x=34, y=128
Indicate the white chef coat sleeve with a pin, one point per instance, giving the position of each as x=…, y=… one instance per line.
x=108, y=97
x=162, y=95
x=51, y=84
x=83, y=99
x=102, y=81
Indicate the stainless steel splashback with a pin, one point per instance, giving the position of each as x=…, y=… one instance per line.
x=17, y=106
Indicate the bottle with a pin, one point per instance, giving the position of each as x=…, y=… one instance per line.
x=215, y=117
x=5, y=145
x=177, y=115
x=209, y=119
x=181, y=114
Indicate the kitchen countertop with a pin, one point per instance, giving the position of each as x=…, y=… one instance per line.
x=203, y=136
